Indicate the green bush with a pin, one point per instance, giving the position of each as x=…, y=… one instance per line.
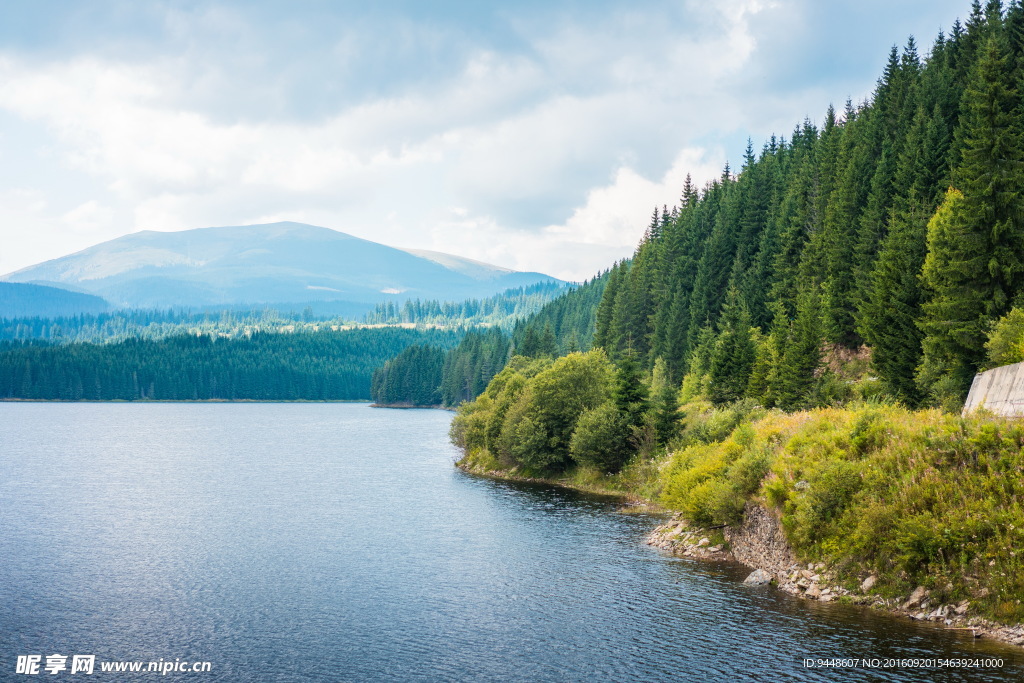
x=918, y=497
x=601, y=439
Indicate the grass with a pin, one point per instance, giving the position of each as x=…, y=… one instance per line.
x=916, y=497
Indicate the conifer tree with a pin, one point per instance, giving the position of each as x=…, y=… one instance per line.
x=734, y=352
x=974, y=267
x=802, y=355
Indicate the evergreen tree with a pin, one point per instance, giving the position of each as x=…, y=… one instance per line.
x=802, y=355
x=732, y=359
x=974, y=267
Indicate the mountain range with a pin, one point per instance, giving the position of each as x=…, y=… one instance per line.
x=275, y=263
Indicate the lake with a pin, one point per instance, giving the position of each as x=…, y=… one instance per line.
x=336, y=542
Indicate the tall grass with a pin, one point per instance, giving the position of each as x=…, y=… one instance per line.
x=917, y=497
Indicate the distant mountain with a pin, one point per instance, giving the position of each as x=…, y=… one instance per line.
x=265, y=264
x=26, y=301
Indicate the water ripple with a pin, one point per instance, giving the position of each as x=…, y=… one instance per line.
x=333, y=542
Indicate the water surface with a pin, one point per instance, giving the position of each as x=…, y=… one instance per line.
x=336, y=542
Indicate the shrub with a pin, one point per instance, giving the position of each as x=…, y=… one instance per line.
x=601, y=439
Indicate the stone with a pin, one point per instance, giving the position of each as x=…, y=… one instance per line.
x=868, y=583
x=813, y=591
x=703, y=542
x=915, y=598
x=758, y=577
x=806, y=573
x=962, y=607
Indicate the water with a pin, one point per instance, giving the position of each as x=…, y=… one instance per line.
x=335, y=542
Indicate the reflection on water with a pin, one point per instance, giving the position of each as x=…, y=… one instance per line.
x=326, y=542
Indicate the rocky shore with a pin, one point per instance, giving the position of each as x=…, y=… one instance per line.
x=759, y=543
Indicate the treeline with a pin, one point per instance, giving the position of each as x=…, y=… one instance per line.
x=895, y=230
x=426, y=376
x=500, y=309
x=411, y=378
x=324, y=365
x=415, y=377
x=18, y=299
x=880, y=254
x=125, y=324
x=564, y=325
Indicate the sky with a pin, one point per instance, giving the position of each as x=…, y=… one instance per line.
x=533, y=135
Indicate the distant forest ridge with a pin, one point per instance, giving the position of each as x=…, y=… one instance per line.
x=32, y=300
x=324, y=365
x=502, y=309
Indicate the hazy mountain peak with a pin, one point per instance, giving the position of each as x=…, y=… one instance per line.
x=267, y=263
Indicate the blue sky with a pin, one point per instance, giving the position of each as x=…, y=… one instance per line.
x=534, y=135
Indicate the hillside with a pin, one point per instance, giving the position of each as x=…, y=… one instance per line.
x=19, y=300
x=266, y=264
x=810, y=313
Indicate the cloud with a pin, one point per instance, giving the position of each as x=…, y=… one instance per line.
x=553, y=129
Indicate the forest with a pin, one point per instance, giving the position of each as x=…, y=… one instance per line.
x=801, y=335
x=501, y=309
x=561, y=326
x=324, y=365
x=877, y=256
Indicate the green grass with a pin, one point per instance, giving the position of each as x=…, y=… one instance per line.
x=917, y=497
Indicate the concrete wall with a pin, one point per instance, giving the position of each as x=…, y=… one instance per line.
x=1000, y=390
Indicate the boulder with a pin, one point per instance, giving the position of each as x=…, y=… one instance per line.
x=868, y=583
x=758, y=577
x=916, y=597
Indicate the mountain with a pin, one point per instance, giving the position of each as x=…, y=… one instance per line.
x=266, y=264
x=26, y=301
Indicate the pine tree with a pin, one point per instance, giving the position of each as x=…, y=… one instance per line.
x=890, y=314
x=734, y=352
x=974, y=267
x=801, y=357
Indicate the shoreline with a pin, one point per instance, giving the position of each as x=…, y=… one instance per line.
x=410, y=406
x=759, y=544
x=635, y=503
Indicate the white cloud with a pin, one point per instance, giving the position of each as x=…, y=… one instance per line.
x=606, y=228
x=554, y=152
x=88, y=217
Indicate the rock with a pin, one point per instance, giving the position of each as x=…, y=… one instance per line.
x=703, y=542
x=962, y=607
x=868, y=583
x=758, y=577
x=983, y=593
x=813, y=592
x=806, y=574
x=915, y=598
x=715, y=549
x=826, y=598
